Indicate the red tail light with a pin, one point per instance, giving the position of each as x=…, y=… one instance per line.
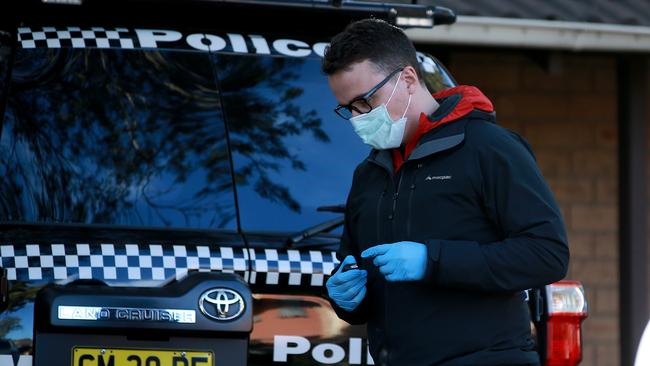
x=567, y=308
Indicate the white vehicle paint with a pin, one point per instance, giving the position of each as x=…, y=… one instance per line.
x=643, y=352
x=24, y=360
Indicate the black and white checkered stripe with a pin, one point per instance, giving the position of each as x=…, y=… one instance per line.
x=156, y=262
x=291, y=267
x=76, y=37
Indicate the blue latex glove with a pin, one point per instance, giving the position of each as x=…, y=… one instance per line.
x=348, y=288
x=401, y=261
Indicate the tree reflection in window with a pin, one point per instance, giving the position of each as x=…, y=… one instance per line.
x=115, y=137
x=260, y=101
x=137, y=137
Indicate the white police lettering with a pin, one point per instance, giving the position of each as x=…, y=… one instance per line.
x=206, y=42
x=238, y=43
x=355, y=351
x=261, y=47
x=283, y=346
x=337, y=353
x=53, y=37
x=156, y=38
x=23, y=360
x=290, y=47
x=323, y=353
x=149, y=38
x=319, y=48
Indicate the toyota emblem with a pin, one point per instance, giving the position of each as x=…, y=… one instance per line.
x=221, y=304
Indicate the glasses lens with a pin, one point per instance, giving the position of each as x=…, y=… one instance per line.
x=361, y=106
x=343, y=112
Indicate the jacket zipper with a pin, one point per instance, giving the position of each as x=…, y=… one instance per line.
x=387, y=297
x=410, y=203
x=391, y=217
x=380, y=199
x=378, y=214
x=395, y=196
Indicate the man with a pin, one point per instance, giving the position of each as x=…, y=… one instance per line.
x=448, y=219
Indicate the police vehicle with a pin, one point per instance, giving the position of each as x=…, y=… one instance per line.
x=171, y=185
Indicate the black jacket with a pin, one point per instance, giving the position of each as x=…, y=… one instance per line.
x=472, y=192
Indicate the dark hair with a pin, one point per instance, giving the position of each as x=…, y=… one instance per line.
x=375, y=40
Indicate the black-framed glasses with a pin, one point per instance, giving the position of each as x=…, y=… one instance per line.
x=361, y=104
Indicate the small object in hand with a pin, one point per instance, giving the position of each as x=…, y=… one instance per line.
x=349, y=266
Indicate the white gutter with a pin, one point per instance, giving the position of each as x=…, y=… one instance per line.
x=530, y=33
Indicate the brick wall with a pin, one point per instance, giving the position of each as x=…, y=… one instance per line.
x=565, y=106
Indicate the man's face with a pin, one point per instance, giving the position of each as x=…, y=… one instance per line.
x=346, y=85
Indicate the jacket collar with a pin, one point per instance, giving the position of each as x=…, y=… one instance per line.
x=435, y=133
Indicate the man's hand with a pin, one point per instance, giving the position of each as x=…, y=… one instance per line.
x=348, y=288
x=401, y=261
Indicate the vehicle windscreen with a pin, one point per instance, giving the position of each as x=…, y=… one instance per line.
x=151, y=128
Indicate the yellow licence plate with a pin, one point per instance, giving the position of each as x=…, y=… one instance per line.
x=82, y=356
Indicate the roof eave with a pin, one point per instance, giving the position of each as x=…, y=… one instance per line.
x=544, y=34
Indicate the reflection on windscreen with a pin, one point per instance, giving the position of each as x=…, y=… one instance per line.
x=138, y=138
x=291, y=153
x=115, y=137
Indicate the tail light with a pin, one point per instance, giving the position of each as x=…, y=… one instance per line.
x=566, y=309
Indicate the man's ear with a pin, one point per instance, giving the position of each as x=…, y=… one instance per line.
x=411, y=78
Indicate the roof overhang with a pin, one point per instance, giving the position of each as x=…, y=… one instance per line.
x=544, y=34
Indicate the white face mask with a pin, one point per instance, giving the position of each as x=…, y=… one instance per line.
x=377, y=129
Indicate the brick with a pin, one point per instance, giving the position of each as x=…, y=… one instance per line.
x=554, y=163
x=605, y=80
x=579, y=79
x=603, y=70
x=559, y=134
x=594, y=272
x=601, y=328
x=607, y=136
x=607, y=190
x=539, y=106
x=581, y=245
x=567, y=79
x=572, y=190
x=480, y=57
x=536, y=78
x=606, y=301
x=494, y=76
x=588, y=355
x=598, y=63
x=505, y=109
x=595, y=163
x=608, y=355
x=592, y=108
x=596, y=218
x=606, y=247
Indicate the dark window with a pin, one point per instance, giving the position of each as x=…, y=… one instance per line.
x=132, y=137
x=291, y=152
x=115, y=137
x=5, y=57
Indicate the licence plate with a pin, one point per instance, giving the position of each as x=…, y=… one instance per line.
x=82, y=356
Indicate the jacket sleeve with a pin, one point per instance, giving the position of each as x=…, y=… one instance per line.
x=348, y=247
x=534, y=251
